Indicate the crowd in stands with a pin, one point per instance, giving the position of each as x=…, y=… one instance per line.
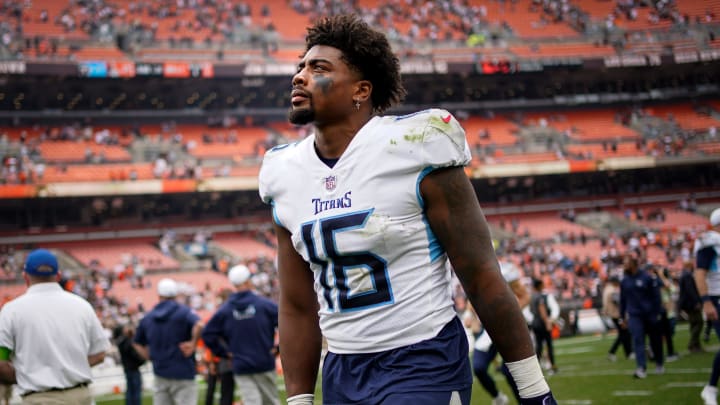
x=41, y=29
x=175, y=151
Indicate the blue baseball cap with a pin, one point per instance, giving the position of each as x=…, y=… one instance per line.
x=41, y=262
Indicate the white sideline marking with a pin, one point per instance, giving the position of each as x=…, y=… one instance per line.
x=637, y=393
x=577, y=371
x=683, y=384
x=576, y=402
x=576, y=350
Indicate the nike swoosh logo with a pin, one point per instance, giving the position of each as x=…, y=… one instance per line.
x=447, y=119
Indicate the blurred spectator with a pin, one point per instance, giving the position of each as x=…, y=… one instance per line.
x=131, y=362
x=243, y=330
x=641, y=305
x=690, y=305
x=167, y=335
x=611, y=309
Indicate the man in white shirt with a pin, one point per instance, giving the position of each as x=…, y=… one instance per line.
x=49, y=338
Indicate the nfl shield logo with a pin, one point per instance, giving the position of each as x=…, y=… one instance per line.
x=330, y=183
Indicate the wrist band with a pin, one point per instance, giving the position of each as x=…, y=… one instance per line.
x=301, y=399
x=705, y=298
x=528, y=377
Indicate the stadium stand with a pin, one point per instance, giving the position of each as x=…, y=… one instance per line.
x=108, y=254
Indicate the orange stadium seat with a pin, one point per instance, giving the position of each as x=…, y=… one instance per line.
x=500, y=131
x=244, y=246
x=684, y=115
x=99, y=172
x=600, y=151
x=113, y=252
x=591, y=248
x=526, y=157
x=709, y=148
x=288, y=23
x=577, y=50
x=249, y=141
x=543, y=226
x=97, y=53
x=197, y=280
x=587, y=125
x=70, y=151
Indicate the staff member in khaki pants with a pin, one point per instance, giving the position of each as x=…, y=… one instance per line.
x=49, y=338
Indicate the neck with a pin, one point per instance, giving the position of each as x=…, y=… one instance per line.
x=331, y=140
x=32, y=280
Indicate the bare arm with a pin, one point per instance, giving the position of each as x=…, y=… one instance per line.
x=521, y=293
x=472, y=321
x=298, y=323
x=542, y=310
x=7, y=372
x=459, y=224
x=188, y=347
x=96, y=358
x=702, y=287
x=142, y=351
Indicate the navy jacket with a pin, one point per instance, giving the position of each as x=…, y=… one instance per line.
x=162, y=330
x=245, y=326
x=689, y=298
x=640, y=296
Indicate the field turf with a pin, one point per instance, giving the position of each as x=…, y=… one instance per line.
x=586, y=376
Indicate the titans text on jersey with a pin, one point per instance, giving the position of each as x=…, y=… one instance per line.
x=323, y=205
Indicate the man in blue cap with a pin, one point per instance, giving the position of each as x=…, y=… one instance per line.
x=167, y=336
x=49, y=338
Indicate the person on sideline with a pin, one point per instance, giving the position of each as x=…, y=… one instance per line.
x=484, y=351
x=641, y=305
x=49, y=338
x=167, y=335
x=218, y=371
x=243, y=330
x=611, y=309
x=367, y=210
x=668, y=319
x=542, y=324
x=707, y=281
x=691, y=305
x=131, y=363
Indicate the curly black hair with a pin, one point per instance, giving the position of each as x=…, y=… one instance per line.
x=364, y=49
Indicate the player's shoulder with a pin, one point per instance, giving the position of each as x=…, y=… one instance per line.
x=283, y=151
x=436, y=117
x=433, y=121
x=278, y=157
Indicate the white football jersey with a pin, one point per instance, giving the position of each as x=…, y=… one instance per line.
x=379, y=271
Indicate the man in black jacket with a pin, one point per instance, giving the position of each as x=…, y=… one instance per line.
x=131, y=362
x=689, y=302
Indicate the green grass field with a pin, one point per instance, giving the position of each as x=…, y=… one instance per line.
x=586, y=376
